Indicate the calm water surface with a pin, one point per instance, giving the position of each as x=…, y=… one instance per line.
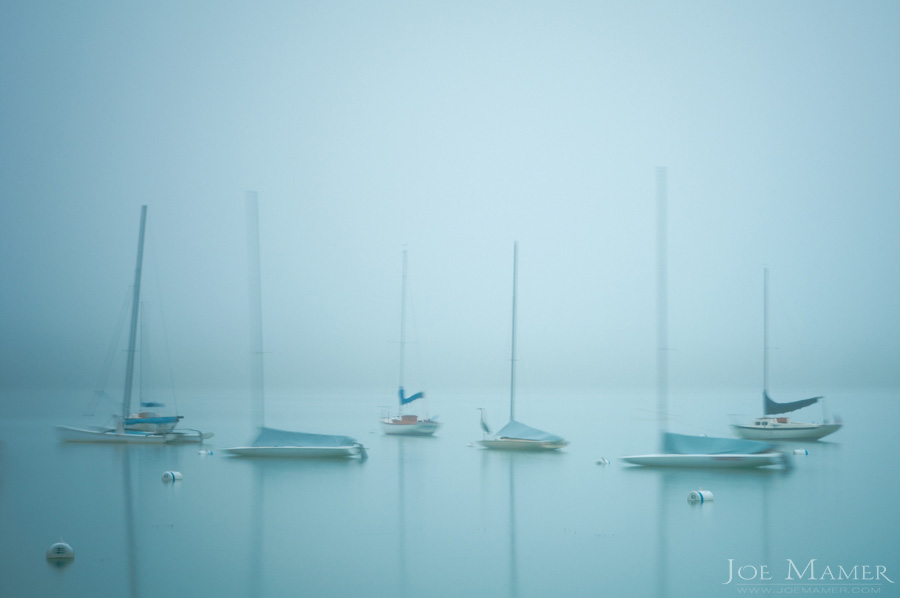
x=439, y=517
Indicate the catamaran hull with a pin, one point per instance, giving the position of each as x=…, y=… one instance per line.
x=109, y=435
x=516, y=444
x=789, y=431
x=295, y=452
x=723, y=461
x=154, y=425
x=419, y=428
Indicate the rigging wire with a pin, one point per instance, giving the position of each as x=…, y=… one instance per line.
x=103, y=377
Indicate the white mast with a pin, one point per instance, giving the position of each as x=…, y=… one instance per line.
x=662, y=369
x=512, y=367
x=135, y=305
x=765, y=334
x=402, y=321
x=256, y=336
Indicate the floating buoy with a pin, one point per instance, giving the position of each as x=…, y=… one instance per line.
x=602, y=461
x=700, y=496
x=60, y=551
x=204, y=452
x=801, y=452
x=171, y=476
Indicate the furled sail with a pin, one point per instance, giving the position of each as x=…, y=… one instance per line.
x=520, y=431
x=404, y=400
x=773, y=408
x=274, y=437
x=681, y=444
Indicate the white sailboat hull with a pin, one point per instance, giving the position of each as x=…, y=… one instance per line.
x=722, y=461
x=771, y=430
x=109, y=435
x=295, y=452
x=516, y=436
x=420, y=427
x=518, y=444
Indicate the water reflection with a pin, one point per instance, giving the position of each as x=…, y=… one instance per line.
x=401, y=516
x=499, y=480
x=494, y=458
x=125, y=456
x=296, y=511
x=513, y=561
x=694, y=540
x=410, y=524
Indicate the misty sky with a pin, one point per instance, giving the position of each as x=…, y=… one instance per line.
x=455, y=129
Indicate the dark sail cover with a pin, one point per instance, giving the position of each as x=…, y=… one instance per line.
x=405, y=400
x=519, y=431
x=773, y=408
x=681, y=444
x=273, y=437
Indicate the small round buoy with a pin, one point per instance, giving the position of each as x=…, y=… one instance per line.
x=602, y=461
x=700, y=496
x=60, y=551
x=204, y=452
x=171, y=476
x=801, y=452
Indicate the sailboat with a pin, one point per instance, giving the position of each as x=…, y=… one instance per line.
x=272, y=442
x=516, y=435
x=680, y=450
x=144, y=427
x=407, y=424
x=772, y=425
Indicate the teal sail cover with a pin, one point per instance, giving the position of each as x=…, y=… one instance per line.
x=164, y=419
x=773, y=408
x=681, y=444
x=520, y=431
x=404, y=400
x=274, y=437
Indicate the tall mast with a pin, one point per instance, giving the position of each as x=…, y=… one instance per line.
x=662, y=369
x=256, y=336
x=512, y=367
x=765, y=332
x=403, y=320
x=135, y=307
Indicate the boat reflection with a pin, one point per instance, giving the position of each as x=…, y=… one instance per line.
x=695, y=540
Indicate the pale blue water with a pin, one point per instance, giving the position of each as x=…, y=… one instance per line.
x=438, y=517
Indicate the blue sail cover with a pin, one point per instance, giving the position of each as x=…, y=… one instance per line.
x=773, y=408
x=520, y=431
x=273, y=437
x=404, y=400
x=164, y=419
x=681, y=444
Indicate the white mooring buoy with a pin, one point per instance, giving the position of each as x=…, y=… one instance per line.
x=801, y=452
x=60, y=551
x=171, y=476
x=700, y=496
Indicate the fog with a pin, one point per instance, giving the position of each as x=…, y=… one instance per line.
x=453, y=130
